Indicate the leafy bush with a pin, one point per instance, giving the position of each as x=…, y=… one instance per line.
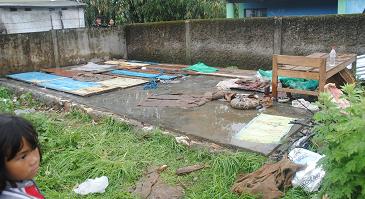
x=342, y=141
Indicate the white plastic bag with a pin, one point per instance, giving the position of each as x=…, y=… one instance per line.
x=302, y=103
x=311, y=176
x=97, y=185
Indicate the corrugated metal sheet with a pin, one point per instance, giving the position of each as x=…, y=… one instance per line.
x=360, y=67
x=48, y=3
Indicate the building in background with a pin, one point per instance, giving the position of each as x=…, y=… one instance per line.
x=268, y=8
x=22, y=16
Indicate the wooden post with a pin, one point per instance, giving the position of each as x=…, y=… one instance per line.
x=274, y=76
x=322, y=76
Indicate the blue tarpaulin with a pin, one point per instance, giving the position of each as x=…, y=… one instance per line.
x=144, y=75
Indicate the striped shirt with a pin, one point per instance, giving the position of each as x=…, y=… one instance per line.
x=23, y=190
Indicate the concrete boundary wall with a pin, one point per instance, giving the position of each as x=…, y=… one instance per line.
x=32, y=51
x=246, y=43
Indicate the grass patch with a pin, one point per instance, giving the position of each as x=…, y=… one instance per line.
x=76, y=148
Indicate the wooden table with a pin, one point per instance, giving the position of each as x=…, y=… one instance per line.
x=315, y=66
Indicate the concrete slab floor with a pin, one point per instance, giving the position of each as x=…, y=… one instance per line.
x=215, y=121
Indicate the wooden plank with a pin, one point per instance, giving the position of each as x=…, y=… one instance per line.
x=123, y=82
x=109, y=85
x=318, y=55
x=302, y=68
x=226, y=75
x=189, y=169
x=348, y=76
x=274, y=77
x=299, y=60
x=330, y=71
x=298, y=74
x=287, y=67
x=322, y=76
x=304, y=92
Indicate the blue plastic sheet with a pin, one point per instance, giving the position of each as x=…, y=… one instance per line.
x=32, y=77
x=144, y=75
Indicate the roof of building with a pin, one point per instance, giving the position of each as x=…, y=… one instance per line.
x=40, y=3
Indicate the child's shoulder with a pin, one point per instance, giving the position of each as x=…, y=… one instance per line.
x=23, y=190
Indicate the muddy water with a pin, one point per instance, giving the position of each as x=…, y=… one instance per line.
x=215, y=121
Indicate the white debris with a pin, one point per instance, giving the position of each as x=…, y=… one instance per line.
x=183, y=140
x=310, y=177
x=97, y=185
x=24, y=111
x=302, y=103
x=147, y=128
x=91, y=67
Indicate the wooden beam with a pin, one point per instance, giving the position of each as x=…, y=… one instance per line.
x=298, y=74
x=299, y=61
x=332, y=71
x=304, y=92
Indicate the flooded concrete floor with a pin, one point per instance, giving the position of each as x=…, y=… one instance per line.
x=215, y=121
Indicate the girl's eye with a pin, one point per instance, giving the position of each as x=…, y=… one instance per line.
x=23, y=156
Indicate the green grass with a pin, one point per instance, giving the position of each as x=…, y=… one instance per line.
x=75, y=148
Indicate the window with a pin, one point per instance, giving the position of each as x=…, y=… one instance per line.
x=63, y=8
x=256, y=12
x=28, y=9
x=13, y=9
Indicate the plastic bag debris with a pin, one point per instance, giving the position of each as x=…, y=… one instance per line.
x=302, y=103
x=310, y=177
x=25, y=111
x=183, y=140
x=97, y=185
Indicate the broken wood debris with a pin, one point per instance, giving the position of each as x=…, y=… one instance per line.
x=189, y=169
x=152, y=187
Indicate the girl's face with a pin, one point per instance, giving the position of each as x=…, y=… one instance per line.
x=25, y=165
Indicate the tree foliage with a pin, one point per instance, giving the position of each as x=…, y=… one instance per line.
x=341, y=137
x=139, y=11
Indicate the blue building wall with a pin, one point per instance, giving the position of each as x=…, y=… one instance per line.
x=296, y=7
x=355, y=6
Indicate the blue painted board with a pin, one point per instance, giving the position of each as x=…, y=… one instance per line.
x=144, y=75
x=68, y=84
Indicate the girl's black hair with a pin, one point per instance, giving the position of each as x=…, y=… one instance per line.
x=12, y=131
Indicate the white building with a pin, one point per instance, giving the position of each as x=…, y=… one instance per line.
x=21, y=16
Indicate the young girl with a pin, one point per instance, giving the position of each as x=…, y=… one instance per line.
x=19, y=159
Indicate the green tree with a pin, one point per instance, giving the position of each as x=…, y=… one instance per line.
x=139, y=11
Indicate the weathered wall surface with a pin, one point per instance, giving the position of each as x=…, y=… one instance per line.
x=247, y=43
x=32, y=51
x=81, y=45
x=304, y=35
x=163, y=42
x=24, y=52
x=244, y=43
